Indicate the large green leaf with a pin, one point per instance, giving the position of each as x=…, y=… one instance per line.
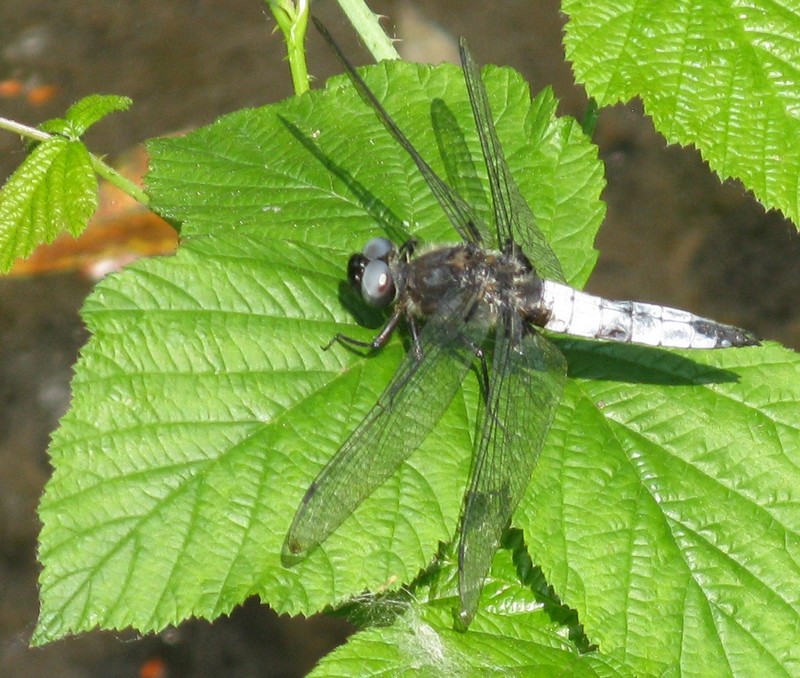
x=722, y=76
x=667, y=507
x=203, y=407
x=203, y=404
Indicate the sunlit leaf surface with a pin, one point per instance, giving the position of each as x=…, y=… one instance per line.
x=722, y=76
x=664, y=509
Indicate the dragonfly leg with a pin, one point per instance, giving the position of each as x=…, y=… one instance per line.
x=484, y=370
x=378, y=342
x=414, y=329
x=407, y=249
x=484, y=373
x=479, y=354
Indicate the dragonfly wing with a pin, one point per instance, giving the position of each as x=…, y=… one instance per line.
x=408, y=409
x=461, y=168
x=525, y=386
x=514, y=219
x=460, y=214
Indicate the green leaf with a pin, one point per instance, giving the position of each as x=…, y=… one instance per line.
x=724, y=77
x=513, y=636
x=55, y=189
x=418, y=646
x=664, y=507
x=203, y=404
x=520, y=630
x=85, y=113
x=341, y=181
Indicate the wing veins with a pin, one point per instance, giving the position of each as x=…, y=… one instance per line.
x=460, y=214
x=526, y=382
x=514, y=219
x=410, y=406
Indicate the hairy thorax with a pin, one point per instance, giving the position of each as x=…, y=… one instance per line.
x=500, y=281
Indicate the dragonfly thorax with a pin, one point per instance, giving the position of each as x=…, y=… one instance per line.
x=499, y=281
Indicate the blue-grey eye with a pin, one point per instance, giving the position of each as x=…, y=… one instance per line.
x=377, y=285
x=377, y=248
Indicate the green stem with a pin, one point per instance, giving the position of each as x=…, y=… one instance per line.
x=101, y=168
x=23, y=130
x=369, y=29
x=292, y=19
x=123, y=183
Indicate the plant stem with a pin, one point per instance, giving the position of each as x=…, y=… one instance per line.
x=101, y=168
x=123, y=183
x=292, y=19
x=23, y=130
x=369, y=29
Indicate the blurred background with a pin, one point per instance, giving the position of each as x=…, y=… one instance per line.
x=674, y=234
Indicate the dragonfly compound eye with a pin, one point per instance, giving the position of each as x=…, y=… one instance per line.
x=355, y=269
x=377, y=248
x=377, y=285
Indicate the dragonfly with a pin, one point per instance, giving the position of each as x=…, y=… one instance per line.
x=481, y=303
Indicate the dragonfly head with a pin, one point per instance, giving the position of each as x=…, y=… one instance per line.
x=369, y=272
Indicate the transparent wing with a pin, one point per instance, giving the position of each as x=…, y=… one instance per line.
x=412, y=403
x=525, y=386
x=514, y=219
x=461, y=168
x=460, y=214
